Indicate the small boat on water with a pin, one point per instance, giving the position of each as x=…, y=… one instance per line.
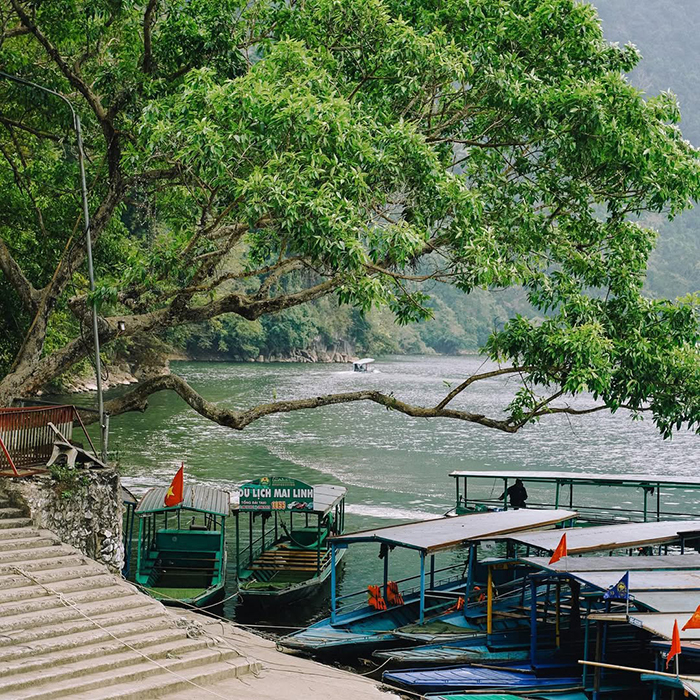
x=287, y=524
x=181, y=554
x=363, y=365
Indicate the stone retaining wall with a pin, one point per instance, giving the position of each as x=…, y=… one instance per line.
x=84, y=510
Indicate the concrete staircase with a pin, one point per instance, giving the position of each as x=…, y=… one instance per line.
x=65, y=623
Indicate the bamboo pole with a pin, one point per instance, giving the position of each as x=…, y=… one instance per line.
x=649, y=672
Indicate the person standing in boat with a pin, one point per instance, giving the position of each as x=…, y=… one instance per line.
x=517, y=495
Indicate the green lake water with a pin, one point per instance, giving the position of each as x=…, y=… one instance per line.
x=395, y=468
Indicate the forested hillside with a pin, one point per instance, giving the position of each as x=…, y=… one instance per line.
x=665, y=31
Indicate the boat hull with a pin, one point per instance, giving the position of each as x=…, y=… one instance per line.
x=261, y=599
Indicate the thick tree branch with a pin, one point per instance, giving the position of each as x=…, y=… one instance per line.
x=75, y=80
x=31, y=130
x=148, y=19
x=137, y=400
x=477, y=377
x=12, y=271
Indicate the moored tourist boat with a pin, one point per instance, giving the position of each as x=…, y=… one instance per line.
x=478, y=491
x=181, y=554
x=287, y=557
x=359, y=626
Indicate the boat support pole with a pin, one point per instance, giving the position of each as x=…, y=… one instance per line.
x=422, y=588
x=333, y=591
x=557, y=625
x=386, y=573
x=533, y=620
x=489, y=601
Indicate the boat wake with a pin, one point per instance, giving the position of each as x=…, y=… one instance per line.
x=390, y=513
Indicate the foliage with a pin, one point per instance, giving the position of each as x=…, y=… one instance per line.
x=248, y=158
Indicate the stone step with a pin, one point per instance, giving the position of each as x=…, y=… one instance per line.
x=28, y=540
x=152, y=615
x=39, y=618
x=70, y=560
x=134, y=632
x=54, y=550
x=7, y=511
x=21, y=533
x=32, y=592
x=48, y=577
x=161, y=685
x=137, y=672
x=8, y=523
x=53, y=601
x=115, y=657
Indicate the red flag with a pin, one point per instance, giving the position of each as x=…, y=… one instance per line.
x=175, y=492
x=675, y=644
x=694, y=622
x=560, y=551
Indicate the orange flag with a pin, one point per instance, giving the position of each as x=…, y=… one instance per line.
x=675, y=644
x=694, y=622
x=175, y=492
x=560, y=551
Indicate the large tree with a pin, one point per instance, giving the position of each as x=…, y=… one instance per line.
x=248, y=157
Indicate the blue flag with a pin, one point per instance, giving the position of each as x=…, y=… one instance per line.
x=620, y=591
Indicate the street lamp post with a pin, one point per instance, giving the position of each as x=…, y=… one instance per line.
x=88, y=242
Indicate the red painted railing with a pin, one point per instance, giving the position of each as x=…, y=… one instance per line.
x=26, y=439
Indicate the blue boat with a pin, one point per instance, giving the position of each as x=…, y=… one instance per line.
x=422, y=600
x=557, y=695
x=499, y=647
x=464, y=678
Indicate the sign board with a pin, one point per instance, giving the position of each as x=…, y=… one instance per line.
x=276, y=493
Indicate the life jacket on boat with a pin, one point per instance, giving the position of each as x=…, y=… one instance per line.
x=459, y=605
x=392, y=594
x=375, y=598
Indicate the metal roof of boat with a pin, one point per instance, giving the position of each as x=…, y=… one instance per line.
x=586, y=478
x=444, y=533
x=605, y=537
x=363, y=361
x=660, y=624
x=195, y=497
x=327, y=496
x=664, y=584
x=642, y=563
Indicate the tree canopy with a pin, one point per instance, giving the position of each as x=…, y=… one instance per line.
x=250, y=157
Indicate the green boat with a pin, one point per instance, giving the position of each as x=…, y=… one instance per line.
x=181, y=555
x=286, y=524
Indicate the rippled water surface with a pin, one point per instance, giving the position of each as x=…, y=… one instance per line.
x=395, y=467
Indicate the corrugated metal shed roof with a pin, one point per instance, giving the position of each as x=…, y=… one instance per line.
x=196, y=497
x=586, y=478
x=605, y=537
x=444, y=533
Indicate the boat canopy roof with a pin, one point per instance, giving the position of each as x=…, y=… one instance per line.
x=659, y=624
x=446, y=533
x=606, y=537
x=586, y=478
x=363, y=361
x=326, y=497
x=663, y=584
x=204, y=499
